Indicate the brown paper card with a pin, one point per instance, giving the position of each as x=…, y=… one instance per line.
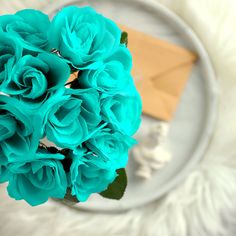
x=161, y=71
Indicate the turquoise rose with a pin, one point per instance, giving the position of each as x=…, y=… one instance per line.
x=83, y=37
x=89, y=174
x=112, y=146
x=30, y=26
x=112, y=76
x=71, y=118
x=123, y=112
x=4, y=173
x=33, y=79
x=19, y=133
x=10, y=52
x=40, y=177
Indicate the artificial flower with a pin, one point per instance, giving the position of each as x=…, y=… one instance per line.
x=83, y=37
x=38, y=178
x=10, y=51
x=111, y=146
x=30, y=26
x=19, y=133
x=32, y=79
x=72, y=118
x=111, y=77
x=122, y=112
x=89, y=174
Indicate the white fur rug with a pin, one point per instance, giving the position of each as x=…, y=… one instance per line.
x=205, y=204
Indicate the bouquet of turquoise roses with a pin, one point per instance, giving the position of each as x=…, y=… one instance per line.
x=88, y=121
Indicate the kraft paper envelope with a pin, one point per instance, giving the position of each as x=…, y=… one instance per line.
x=161, y=71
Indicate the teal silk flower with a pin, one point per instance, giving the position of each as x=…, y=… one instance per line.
x=89, y=174
x=10, y=52
x=112, y=76
x=111, y=146
x=122, y=112
x=19, y=134
x=4, y=173
x=38, y=178
x=33, y=79
x=83, y=37
x=30, y=26
x=72, y=118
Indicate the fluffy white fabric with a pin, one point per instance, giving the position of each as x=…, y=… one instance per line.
x=204, y=204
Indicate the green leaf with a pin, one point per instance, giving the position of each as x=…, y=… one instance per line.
x=116, y=189
x=124, y=38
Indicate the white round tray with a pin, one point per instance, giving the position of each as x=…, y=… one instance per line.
x=193, y=124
